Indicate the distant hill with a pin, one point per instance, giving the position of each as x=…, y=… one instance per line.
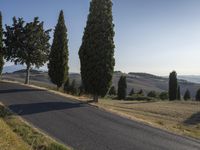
x=145, y=81
x=12, y=68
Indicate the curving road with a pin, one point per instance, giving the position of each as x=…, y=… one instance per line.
x=84, y=127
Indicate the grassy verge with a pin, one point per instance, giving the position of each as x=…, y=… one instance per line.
x=9, y=140
x=178, y=117
x=18, y=135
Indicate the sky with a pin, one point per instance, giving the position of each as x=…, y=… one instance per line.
x=153, y=36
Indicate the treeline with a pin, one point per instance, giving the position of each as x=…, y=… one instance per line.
x=28, y=44
x=172, y=94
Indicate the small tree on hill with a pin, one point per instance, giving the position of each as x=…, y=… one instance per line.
x=27, y=44
x=152, y=94
x=1, y=45
x=122, y=87
x=67, y=86
x=74, y=90
x=164, y=96
x=178, y=93
x=141, y=92
x=198, y=95
x=97, y=50
x=173, y=85
x=132, y=92
x=58, y=59
x=187, y=95
x=112, y=91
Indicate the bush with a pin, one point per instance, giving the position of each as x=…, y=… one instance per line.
x=112, y=91
x=152, y=94
x=164, y=96
x=139, y=98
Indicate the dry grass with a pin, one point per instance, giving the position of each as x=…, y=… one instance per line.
x=9, y=140
x=179, y=117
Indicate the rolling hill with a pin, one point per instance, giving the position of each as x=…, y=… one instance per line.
x=145, y=81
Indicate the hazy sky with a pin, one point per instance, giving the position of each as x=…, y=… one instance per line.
x=154, y=36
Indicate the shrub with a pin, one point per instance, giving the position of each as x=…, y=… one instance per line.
x=152, y=94
x=164, y=96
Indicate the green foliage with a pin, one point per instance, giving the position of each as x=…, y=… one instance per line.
x=141, y=92
x=73, y=88
x=132, y=92
x=70, y=88
x=173, y=85
x=152, y=94
x=58, y=58
x=122, y=87
x=187, y=95
x=27, y=43
x=198, y=95
x=81, y=90
x=139, y=98
x=1, y=45
x=97, y=50
x=67, y=86
x=178, y=93
x=112, y=91
x=164, y=96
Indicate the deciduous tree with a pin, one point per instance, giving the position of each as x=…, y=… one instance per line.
x=27, y=44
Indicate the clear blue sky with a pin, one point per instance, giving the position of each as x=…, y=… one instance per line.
x=154, y=36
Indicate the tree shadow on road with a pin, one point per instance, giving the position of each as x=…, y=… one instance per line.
x=34, y=108
x=19, y=90
x=194, y=119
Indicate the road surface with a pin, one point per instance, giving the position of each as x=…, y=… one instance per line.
x=85, y=127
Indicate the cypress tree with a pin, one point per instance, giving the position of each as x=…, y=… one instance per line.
x=112, y=91
x=97, y=50
x=173, y=85
x=122, y=86
x=187, y=95
x=178, y=93
x=141, y=92
x=58, y=59
x=1, y=45
x=198, y=95
x=132, y=92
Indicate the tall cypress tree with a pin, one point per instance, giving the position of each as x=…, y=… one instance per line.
x=187, y=95
x=198, y=95
x=97, y=50
x=1, y=45
x=58, y=59
x=122, y=87
x=178, y=93
x=173, y=85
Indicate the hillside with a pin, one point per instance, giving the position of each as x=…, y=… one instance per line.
x=147, y=82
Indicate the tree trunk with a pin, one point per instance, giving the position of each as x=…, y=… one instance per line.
x=27, y=74
x=95, y=98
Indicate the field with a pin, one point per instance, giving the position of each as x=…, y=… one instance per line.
x=179, y=117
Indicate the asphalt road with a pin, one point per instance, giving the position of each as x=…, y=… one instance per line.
x=84, y=127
